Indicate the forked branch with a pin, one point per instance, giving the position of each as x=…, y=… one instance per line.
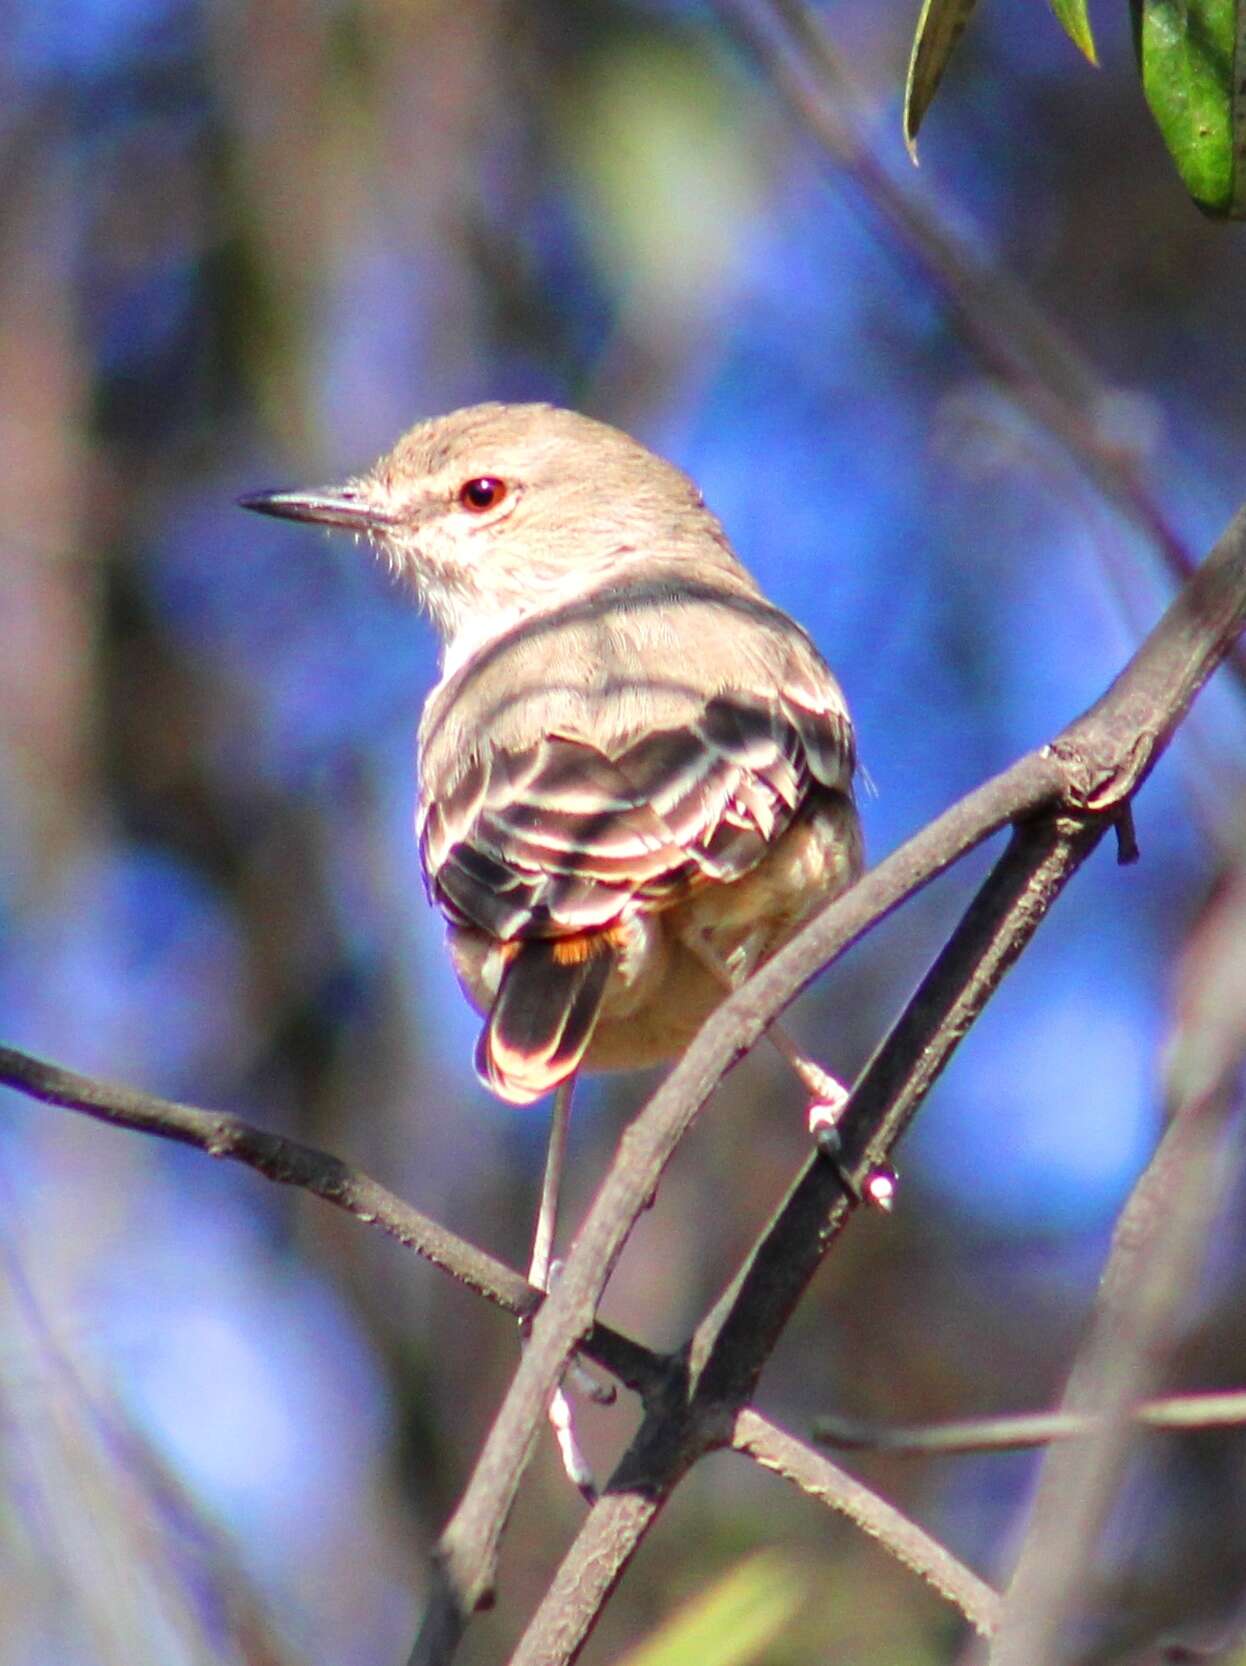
x=1078, y=786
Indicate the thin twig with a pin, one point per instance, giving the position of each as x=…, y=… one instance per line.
x=285, y=1162
x=1016, y=1432
x=561, y=1415
x=290, y=1163
x=815, y=1475
x=551, y=1185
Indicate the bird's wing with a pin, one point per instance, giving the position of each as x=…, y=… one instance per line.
x=559, y=837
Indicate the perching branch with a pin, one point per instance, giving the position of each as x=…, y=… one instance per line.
x=732, y=1345
x=1079, y=785
x=739, y=1335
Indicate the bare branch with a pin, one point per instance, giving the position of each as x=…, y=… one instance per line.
x=290, y=1163
x=285, y=1162
x=781, y=1452
x=589, y=1573
x=1083, y=778
x=1021, y=1430
x=638, y=1491
x=738, y=1336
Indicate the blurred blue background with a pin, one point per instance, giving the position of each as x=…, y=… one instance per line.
x=247, y=244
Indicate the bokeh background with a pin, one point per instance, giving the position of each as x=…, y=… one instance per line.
x=245, y=244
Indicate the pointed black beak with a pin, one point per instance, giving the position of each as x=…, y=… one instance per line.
x=333, y=506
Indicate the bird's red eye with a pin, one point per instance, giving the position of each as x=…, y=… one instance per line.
x=486, y=491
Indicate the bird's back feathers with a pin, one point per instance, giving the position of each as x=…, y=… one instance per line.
x=594, y=789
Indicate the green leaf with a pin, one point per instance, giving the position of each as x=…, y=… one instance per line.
x=939, y=27
x=1187, y=53
x=732, y=1623
x=1073, y=17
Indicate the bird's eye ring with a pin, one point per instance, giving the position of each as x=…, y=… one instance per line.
x=482, y=492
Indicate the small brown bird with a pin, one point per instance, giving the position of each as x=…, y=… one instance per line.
x=636, y=772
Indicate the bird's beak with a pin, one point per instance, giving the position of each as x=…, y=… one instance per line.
x=346, y=506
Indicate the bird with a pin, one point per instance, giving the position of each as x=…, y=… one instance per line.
x=635, y=771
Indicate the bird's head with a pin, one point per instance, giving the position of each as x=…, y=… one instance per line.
x=496, y=512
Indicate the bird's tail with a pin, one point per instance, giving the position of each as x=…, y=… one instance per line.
x=544, y=1015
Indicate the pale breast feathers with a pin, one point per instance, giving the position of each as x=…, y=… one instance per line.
x=594, y=788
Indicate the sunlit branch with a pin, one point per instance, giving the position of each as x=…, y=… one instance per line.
x=1024, y=1429
x=622, y=1517
x=283, y=1161
x=738, y=1335
x=589, y=1573
x=910, y=1544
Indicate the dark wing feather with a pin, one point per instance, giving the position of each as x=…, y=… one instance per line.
x=557, y=839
